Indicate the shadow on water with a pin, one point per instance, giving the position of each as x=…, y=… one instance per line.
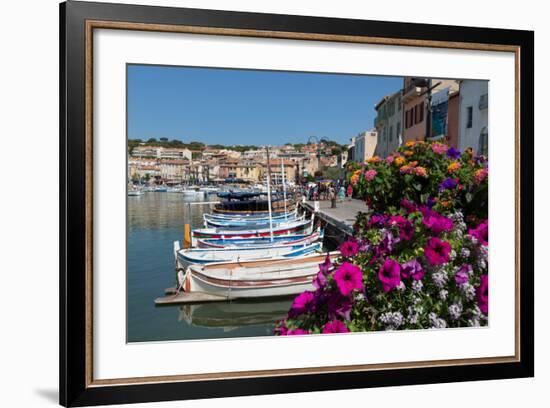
x=155, y=221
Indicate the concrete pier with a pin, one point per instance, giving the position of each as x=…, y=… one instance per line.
x=339, y=221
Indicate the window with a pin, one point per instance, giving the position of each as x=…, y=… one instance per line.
x=391, y=133
x=483, y=142
x=415, y=114
x=469, y=116
x=421, y=109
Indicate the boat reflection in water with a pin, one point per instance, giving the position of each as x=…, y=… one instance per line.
x=235, y=314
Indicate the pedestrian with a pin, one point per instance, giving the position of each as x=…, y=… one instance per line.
x=350, y=192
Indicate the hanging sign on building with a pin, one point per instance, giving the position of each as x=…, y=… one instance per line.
x=440, y=109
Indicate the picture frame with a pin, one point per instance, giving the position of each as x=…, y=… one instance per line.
x=78, y=20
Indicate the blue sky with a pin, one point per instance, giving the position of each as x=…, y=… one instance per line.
x=229, y=106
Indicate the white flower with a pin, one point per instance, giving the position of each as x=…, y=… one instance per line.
x=417, y=286
x=443, y=294
x=392, y=320
x=468, y=291
x=436, y=321
x=455, y=310
x=439, y=279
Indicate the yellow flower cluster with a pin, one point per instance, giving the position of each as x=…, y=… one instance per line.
x=374, y=159
x=454, y=166
x=399, y=161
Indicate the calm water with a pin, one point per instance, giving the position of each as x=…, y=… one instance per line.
x=155, y=221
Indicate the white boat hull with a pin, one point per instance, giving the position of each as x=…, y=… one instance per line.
x=254, y=279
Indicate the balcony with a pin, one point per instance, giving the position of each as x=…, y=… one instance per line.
x=414, y=89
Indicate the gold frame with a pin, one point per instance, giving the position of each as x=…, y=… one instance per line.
x=99, y=24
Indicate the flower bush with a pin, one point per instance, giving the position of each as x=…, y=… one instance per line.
x=427, y=173
x=418, y=258
x=414, y=268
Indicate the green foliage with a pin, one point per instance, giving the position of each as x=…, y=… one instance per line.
x=417, y=172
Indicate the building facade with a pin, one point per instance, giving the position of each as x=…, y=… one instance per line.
x=415, y=104
x=474, y=116
x=388, y=124
x=160, y=152
x=365, y=145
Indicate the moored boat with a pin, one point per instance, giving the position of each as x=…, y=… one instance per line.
x=261, y=242
x=253, y=279
x=251, y=223
x=209, y=255
x=279, y=229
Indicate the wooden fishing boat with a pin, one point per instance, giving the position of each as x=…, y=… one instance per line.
x=253, y=279
x=210, y=255
x=280, y=229
x=248, y=217
x=262, y=242
x=253, y=223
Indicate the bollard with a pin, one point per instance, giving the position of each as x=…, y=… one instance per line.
x=186, y=236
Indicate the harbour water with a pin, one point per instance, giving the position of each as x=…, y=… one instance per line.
x=155, y=221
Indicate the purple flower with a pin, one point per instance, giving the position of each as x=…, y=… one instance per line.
x=388, y=241
x=448, y=184
x=437, y=222
x=453, y=153
x=408, y=205
x=430, y=202
x=335, y=326
x=412, y=269
x=339, y=306
x=481, y=232
x=320, y=281
x=377, y=219
x=390, y=274
x=325, y=266
x=483, y=294
x=348, y=277
x=437, y=252
x=463, y=274
x=349, y=248
x=303, y=303
x=406, y=228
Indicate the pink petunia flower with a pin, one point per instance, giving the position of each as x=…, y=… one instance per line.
x=349, y=248
x=348, y=277
x=436, y=222
x=297, y=332
x=335, y=326
x=437, y=252
x=390, y=274
x=481, y=232
x=483, y=294
x=303, y=303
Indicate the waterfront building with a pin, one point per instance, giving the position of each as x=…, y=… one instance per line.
x=365, y=145
x=276, y=173
x=415, y=99
x=388, y=124
x=160, y=152
x=173, y=170
x=474, y=116
x=249, y=170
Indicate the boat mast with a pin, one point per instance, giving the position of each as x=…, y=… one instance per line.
x=269, y=194
x=284, y=185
